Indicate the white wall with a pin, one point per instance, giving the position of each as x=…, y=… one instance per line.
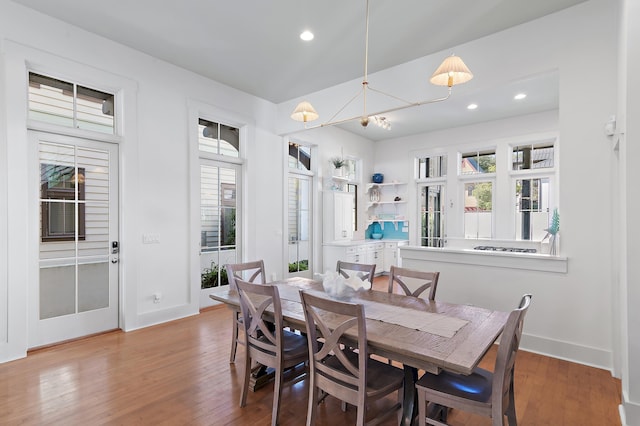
x=157, y=169
x=571, y=315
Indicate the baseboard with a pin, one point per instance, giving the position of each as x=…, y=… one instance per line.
x=580, y=354
x=629, y=411
x=164, y=315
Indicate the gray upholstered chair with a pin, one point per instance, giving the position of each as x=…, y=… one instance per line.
x=266, y=340
x=351, y=376
x=483, y=392
x=249, y=271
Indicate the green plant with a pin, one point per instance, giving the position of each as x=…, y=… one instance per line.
x=210, y=277
x=302, y=265
x=338, y=162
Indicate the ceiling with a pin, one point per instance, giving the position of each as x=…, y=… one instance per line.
x=253, y=45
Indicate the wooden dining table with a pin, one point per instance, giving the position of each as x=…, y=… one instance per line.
x=419, y=333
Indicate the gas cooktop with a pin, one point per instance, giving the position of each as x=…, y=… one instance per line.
x=506, y=249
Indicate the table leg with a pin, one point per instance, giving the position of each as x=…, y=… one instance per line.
x=409, y=403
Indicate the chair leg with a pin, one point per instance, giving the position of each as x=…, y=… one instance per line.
x=277, y=393
x=245, y=382
x=234, y=339
x=422, y=408
x=511, y=409
x=314, y=399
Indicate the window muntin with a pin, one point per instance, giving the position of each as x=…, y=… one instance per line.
x=432, y=215
x=68, y=104
x=478, y=162
x=220, y=139
x=432, y=167
x=535, y=156
x=532, y=208
x=478, y=209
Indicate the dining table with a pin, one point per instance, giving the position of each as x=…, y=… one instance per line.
x=421, y=334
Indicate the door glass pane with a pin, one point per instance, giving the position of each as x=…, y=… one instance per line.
x=432, y=212
x=299, y=203
x=74, y=247
x=57, y=291
x=218, y=208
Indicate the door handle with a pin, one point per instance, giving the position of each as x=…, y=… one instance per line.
x=114, y=260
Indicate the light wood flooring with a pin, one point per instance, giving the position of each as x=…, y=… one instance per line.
x=178, y=373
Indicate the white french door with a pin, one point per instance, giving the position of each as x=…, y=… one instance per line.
x=76, y=293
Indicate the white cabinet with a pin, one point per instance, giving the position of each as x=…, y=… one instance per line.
x=337, y=216
x=369, y=252
x=391, y=254
x=387, y=202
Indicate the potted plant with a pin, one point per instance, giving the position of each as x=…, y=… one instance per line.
x=338, y=164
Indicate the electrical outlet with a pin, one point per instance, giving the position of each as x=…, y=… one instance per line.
x=157, y=297
x=151, y=238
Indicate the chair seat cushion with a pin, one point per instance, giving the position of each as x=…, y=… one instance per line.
x=379, y=375
x=477, y=386
x=294, y=345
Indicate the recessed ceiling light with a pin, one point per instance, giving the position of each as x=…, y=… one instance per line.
x=306, y=35
x=520, y=96
x=472, y=106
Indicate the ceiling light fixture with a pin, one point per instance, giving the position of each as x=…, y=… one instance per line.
x=472, y=106
x=520, y=96
x=452, y=71
x=382, y=122
x=306, y=35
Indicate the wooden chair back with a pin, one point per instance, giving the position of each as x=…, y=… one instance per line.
x=345, y=377
x=252, y=272
x=249, y=271
x=506, y=357
x=365, y=271
x=262, y=320
x=406, y=278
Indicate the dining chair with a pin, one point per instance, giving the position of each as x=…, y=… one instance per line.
x=349, y=375
x=490, y=394
x=362, y=270
x=406, y=278
x=249, y=271
x=266, y=341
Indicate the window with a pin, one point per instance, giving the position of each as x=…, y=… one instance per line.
x=478, y=207
x=478, y=162
x=532, y=208
x=533, y=157
x=216, y=138
x=68, y=104
x=506, y=191
x=432, y=216
x=533, y=166
x=432, y=167
x=299, y=156
x=350, y=169
x=353, y=188
x=61, y=189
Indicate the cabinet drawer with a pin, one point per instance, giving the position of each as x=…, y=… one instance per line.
x=362, y=248
x=378, y=246
x=391, y=245
x=352, y=250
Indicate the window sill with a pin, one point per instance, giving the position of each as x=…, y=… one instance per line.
x=528, y=261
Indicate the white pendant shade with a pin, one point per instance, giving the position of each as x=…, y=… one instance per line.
x=304, y=112
x=452, y=71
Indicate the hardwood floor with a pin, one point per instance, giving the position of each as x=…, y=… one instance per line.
x=178, y=374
